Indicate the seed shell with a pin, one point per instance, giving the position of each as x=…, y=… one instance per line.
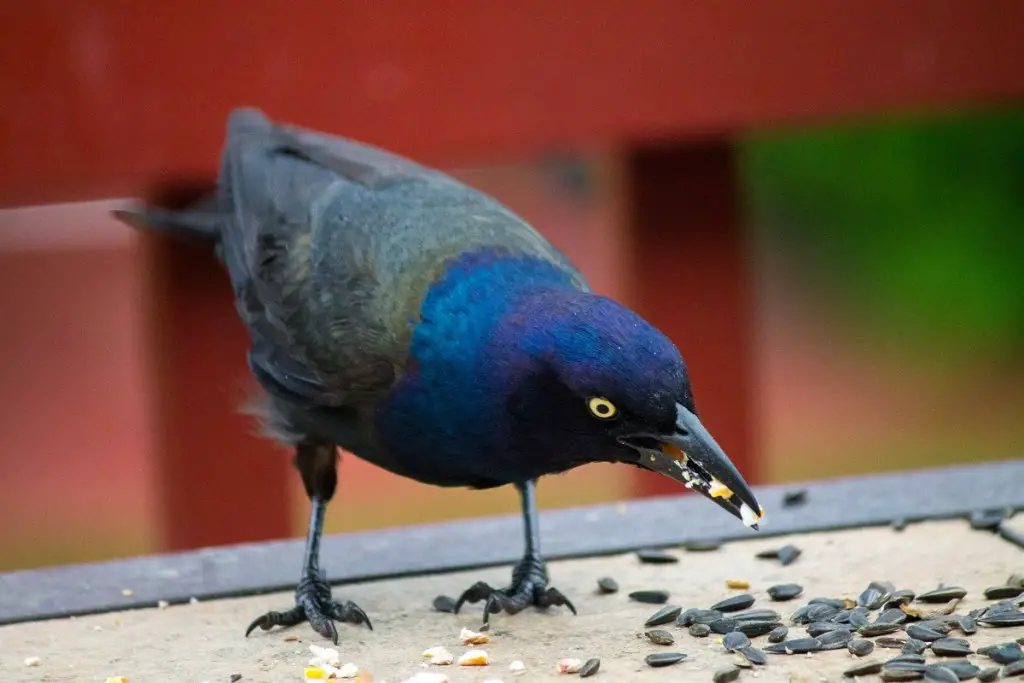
x=951, y=647
x=835, y=640
x=723, y=626
x=1003, y=592
x=734, y=603
x=968, y=625
x=872, y=630
x=892, y=615
x=650, y=597
x=821, y=612
x=444, y=603
x=988, y=674
x=785, y=591
x=778, y=634
x=944, y=594
x=865, y=668
x=838, y=603
x=1002, y=620
x=925, y=633
x=876, y=594
x=757, y=615
x=817, y=628
x=963, y=669
x=1015, y=669
x=660, y=637
x=940, y=674
x=753, y=655
x=901, y=660
x=700, y=630
x=654, y=556
x=891, y=642
x=756, y=629
x=703, y=546
x=860, y=647
x=705, y=616
x=1004, y=653
x=735, y=640
x=658, y=659
x=726, y=675
x=590, y=667
x=797, y=646
x=607, y=584
x=788, y=554
x=664, y=615
x=902, y=674
x=913, y=646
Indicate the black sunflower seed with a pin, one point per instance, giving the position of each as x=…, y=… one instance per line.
x=926, y=633
x=821, y=612
x=859, y=617
x=756, y=615
x=756, y=629
x=893, y=615
x=940, y=674
x=703, y=546
x=890, y=675
x=444, y=603
x=664, y=615
x=872, y=630
x=963, y=669
x=860, y=647
x=607, y=584
x=734, y=604
x=1008, y=533
x=987, y=520
x=899, y=523
x=778, y=634
x=800, y=616
x=951, y=647
x=875, y=595
x=590, y=667
x=900, y=597
x=798, y=646
x=834, y=640
x=1001, y=607
x=660, y=637
x=1004, y=653
x=650, y=597
x=890, y=642
x=838, y=603
x=816, y=628
x=865, y=668
x=664, y=658
x=726, y=675
x=794, y=498
x=735, y=640
x=988, y=674
x=1003, y=592
x=913, y=646
x=902, y=660
x=654, y=556
x=788, y=554
x=723, y=626
x=944, y=594
x=968, y=625
x=686, y=618
x=700, y=630
x=1002, y=620
x=705, y=616
x=753, y=655
x=1015, y=669
x=785, y=591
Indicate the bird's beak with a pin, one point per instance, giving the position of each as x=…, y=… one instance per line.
x=691, y=456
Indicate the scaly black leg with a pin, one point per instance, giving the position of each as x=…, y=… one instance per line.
x=313, y=603
x=529, y=577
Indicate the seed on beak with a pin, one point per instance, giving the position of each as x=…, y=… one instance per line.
x=720, y=490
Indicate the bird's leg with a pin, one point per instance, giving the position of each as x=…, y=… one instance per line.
x=317, y=462
x=529, y=577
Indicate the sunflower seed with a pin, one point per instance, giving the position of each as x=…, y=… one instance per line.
x=607, y=584
x=444, y=603
x=951, y=647
x=963, y=669
x=913, y=646
x=794, y=498
x=664, y=658
x=753, y=655
x=860, y=647
x=755, y=629
x=902, y=674
x=735, y=640
x=1002, y=620
x=705, y=616
x=1015, y=669
x=741, y=661
x=788, y=554
x=778, y=634
x=891, y=643
x=968, y=625
x=726, y=675
x=817, y=628
x=872, y=630
x=923, y=632
x=893, y=615
x=900, y=597
x=989, y=674
x=650, y=597
x=1002, y=592
x=723, y=626
x=703, y=546
x=875, y=595
x=785, y=591
x=865, y=668
x=942, y=594
x=987, y=520
x=1001, y=607
x=655, y=556
x=797, y=646
x=1004, y=653
x=1015, y=537
x=700, y=630
x=838, y=603
x=821, y=612
x=940, y=674
x=757, y=615
x=800, y=615
x=590, y=667
x=686, y=618
x=901, y=660
x=859, y=617
x=660, y=637
x=898, y=523
x=734, y=604
x=834, y=640
x=664, y=615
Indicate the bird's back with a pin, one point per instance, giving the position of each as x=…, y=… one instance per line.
x=332, y=245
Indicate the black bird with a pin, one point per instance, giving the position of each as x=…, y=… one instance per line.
x=424, y=327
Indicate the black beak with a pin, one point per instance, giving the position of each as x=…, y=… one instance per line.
x=691, y=456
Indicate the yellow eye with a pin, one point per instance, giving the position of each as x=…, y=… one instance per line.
x=602, y=408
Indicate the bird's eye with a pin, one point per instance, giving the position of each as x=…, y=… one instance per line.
x=602, y=408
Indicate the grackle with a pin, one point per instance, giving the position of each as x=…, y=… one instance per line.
x=424, y=327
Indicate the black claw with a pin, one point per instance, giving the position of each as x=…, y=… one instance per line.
x=529, y=587
x=313, y=604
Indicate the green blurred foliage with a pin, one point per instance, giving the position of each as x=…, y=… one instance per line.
x=915, y=225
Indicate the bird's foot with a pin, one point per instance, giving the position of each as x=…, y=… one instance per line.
x=313, y=603
x=529, y=587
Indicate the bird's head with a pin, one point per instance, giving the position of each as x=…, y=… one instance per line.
x=597, y=383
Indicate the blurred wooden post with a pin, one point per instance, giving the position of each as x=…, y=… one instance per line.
x=691, y=278
x=216, y=483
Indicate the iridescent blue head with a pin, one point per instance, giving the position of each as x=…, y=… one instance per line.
x=518, y=374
